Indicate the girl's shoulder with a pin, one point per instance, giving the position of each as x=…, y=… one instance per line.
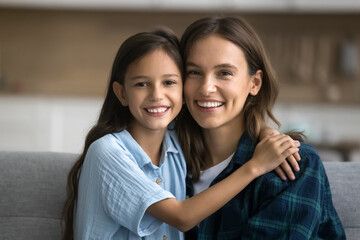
x=114, y=151
x=109, y=144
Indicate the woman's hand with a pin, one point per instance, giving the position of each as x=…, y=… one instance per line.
x=287, y=167
x=271, y=152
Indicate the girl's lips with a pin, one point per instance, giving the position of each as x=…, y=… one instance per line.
x=157, y=111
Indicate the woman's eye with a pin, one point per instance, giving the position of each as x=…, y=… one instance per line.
x=193, y=72
x=225, y=73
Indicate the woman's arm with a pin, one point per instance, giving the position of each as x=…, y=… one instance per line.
x=184, y=215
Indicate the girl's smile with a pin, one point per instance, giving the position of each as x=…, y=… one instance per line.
x=157, y=111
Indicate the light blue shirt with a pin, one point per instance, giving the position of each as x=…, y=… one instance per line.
x=118, y=183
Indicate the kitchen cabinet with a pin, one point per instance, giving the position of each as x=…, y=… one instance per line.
x=190, y=5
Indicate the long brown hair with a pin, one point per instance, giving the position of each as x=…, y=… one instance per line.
x=113, y=116
x=256, y=108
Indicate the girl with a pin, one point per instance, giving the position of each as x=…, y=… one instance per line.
x=230, y=90
x=131, y=175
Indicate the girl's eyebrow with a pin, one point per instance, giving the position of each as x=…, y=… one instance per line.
x=170, y=75
x=140, y=77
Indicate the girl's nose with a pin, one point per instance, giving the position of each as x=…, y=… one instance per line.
x=157, y=93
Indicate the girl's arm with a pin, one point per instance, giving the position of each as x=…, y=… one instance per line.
x=184, y=215
x=287, y=167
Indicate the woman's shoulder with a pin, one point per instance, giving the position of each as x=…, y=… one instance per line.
x=310, y=159
x=308, y=150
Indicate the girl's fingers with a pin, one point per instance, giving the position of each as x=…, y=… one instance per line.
x=289, y=151
x=280, y=173
x=285, y=143
x=280, y=139
x=293, y=162
x=287, y=169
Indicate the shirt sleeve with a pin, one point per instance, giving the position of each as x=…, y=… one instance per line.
x=126, y=192
x=300, y=209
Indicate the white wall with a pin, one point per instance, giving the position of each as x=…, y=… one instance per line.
x=36, y=123
x=39, y=123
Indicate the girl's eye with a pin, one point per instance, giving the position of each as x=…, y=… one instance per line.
x=140, y=84
x=169, y=82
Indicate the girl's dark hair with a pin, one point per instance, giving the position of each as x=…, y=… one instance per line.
x=113, y=116
x=256, y=108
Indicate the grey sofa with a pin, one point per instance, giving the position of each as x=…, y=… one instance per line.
x=32, y=192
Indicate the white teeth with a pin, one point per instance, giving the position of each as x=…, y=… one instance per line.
x=157, y=110
x=209, y=104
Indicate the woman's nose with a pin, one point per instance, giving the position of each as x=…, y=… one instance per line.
x=207, y=86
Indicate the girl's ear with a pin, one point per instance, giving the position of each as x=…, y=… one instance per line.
x=119, y=91
x=256, y=83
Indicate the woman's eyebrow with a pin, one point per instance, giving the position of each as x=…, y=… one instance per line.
x=191, y=64
x=226, y=65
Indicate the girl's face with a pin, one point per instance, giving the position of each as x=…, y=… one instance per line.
x=218, y=83
x=152, y=90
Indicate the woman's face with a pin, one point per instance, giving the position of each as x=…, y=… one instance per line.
x=218, y=83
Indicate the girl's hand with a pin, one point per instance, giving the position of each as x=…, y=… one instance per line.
x=271, y=152
x=287, y=167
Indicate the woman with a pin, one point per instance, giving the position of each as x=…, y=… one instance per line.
x=230, y=90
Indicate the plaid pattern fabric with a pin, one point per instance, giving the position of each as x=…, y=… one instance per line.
x=269, y=208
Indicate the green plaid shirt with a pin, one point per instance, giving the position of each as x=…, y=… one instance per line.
x=269, y=208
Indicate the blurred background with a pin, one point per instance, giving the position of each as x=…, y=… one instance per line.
x=56, y=56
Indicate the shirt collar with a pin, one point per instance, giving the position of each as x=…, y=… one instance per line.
x=245, y=149
x=244, y=152
x=169, y=145
x=170, y=142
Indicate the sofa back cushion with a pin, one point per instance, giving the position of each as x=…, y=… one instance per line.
x=32, y=194
x=344, y=178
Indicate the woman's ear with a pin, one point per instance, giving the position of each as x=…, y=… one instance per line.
x=256, y=83
x=119, y=91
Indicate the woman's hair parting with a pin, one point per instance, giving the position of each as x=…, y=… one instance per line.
x=256, y=108
x=113, y=116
